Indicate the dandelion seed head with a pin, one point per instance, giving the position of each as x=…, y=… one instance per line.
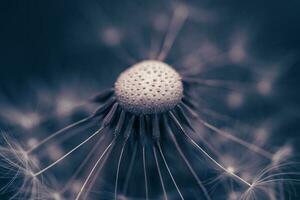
x=248, y=176
x=160, y=22
x=65, y=105
x=55, y=152
x=282, y=154
x=122, y=197
x=76, y=186
x=181, y=10
x=28, y=120
x=234, y=196
x=32, y=142
x=264, y=87
x=149, y=87
x=56, y=196
x=235, y=100
x=262, y=134
x=231, y=169
x=111, y=36
x=238, y=52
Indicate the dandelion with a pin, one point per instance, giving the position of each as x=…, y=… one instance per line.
x=151, y=131
x=150, y=107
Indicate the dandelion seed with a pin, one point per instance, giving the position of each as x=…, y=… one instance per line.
x=235, y=100
x=111, y=36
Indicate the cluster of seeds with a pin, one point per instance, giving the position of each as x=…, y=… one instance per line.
x=149, y=87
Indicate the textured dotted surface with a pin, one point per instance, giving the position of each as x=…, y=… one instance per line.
x=149, y=87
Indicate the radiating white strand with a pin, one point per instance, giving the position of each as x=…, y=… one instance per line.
x=93, y=169
x=205, y=153
x=170, y=173
x=250, y=146
x=58, y=133
x=71, y=151
x=187, y=163
x=130, y=169
x=83, y=163
x=118, y=169
x=159, y=173
x=246, y=144
x=178, y=19
x=145, y=173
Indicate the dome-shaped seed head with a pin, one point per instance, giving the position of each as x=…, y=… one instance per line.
x=149, y=87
